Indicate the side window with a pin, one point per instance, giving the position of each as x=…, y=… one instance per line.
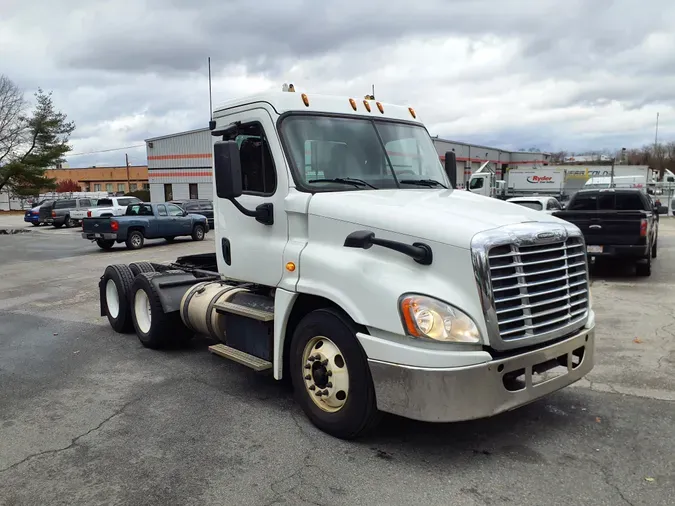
x=550, y=205
x=174, y=210
x=85, y=203
x=257, y=167
x=476, y=183
x=161, y=210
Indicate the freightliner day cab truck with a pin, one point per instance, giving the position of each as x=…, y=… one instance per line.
x=345, y=262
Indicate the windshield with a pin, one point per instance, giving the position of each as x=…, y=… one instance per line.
x=346, y=153
x=532, y=204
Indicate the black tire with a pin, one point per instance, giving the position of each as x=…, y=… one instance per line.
x=165, y=329
x=57, y=225
x=198, y=233
x=644, y=268
x=35, y=224
x=69, y=223
x=122, y=278
x=139, y=267
x=654, y=248
x=105, y=244
x=359, y=414
x=135, y=240
x=171, y=238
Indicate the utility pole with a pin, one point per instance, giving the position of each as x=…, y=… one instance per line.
x=126, y=156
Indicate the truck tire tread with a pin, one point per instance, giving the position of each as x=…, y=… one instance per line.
x=359, y=414
x=139, y=267
x=166, y=329
x=123, y=279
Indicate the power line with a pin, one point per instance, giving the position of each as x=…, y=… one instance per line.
x=104, y=150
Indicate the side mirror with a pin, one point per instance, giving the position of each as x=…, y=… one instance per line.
x=451, y=167
x=227, y=167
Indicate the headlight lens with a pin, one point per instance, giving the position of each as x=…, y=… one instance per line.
x=434, y=319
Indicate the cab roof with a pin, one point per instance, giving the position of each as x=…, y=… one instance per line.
x=284, y=101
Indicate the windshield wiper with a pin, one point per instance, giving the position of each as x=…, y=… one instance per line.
x=344, y=180
x=423, y=182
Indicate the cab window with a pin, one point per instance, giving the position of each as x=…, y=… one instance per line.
x=259, y=175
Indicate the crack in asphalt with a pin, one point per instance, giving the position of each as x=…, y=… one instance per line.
x=73, y=441
x=605, y=475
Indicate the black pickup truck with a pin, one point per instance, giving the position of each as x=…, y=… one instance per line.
x=616, y=223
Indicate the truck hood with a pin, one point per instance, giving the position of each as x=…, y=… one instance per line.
x=445, y=216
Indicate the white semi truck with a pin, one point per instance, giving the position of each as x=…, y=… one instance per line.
x=517, y=182
x=373, y=288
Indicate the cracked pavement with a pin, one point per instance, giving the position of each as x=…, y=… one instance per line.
x=88, y=416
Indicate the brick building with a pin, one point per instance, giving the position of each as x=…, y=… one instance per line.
x=106, y=179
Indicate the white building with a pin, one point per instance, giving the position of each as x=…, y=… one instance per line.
x=179, y=165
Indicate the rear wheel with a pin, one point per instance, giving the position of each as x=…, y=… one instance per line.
x=155, y=328
x=117, y=281
x=35, y=224
x=69, y=223
x=57, y=225
x=105, y=244
x=198, y=233
x=644, y=268
x=330, y=375
x=135, y=239
x=139, y=267
x=654, y=252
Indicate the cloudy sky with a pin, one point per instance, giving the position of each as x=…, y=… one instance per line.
x=570, y=74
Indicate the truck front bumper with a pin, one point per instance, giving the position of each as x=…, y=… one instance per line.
x=467, y=393
x=94, y=236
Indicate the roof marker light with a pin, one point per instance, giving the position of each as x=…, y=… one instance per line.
x=379, y=106
x=367, y=105
x=305, y=100
x=412, y=112
x=353, y=103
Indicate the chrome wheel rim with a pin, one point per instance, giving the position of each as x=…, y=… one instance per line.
x=112, y=299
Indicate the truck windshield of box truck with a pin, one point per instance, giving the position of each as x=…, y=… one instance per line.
x=333, y=153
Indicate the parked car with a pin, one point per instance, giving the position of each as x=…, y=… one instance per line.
x=198, y=206
x=32, y=216
x=112, y=206
x=617, y=223
x=144, y=221
x=62, y=212
x=547, y=204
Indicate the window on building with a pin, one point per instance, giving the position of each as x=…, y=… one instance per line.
x=109, y=187
x=146, y=186
x=257, y=167
x=168, y=193
x=133, y=187
x=120, y=187
x=97, y=187
x=161, y=210
x=194, y=191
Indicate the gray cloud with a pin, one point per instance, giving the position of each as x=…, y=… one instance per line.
x=553, y=73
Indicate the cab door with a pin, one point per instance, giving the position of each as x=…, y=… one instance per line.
x=247, y=249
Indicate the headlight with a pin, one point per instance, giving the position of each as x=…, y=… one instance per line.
x=434, y=319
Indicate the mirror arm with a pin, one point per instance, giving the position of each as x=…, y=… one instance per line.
x=263, y=213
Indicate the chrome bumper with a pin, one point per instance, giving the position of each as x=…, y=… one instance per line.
x=466, y=393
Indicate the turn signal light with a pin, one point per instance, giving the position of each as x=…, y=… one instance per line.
x=290, y=266
x=305, y=100
x=380, y=107
x=352, y=102
x=114, y=225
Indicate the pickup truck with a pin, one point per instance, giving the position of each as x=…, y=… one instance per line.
x=144, y=221
x=113, y=206
x=616, y=223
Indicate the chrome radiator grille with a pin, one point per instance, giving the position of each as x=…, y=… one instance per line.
x=538, y=289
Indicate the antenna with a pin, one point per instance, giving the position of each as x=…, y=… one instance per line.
x=373, y=92
x=212, y=124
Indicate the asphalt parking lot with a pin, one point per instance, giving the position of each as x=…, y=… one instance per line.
x=88, y=416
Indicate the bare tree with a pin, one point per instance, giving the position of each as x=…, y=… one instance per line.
x=12, y=120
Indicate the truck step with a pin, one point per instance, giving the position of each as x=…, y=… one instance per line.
x=249, y=312
x=255, y=363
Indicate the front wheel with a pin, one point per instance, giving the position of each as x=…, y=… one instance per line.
x=135, y=239
x=198, y=233
x=644, y=268
x=330, y=375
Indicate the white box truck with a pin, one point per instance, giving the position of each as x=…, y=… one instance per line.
x=518, y=182
x=373, y=288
